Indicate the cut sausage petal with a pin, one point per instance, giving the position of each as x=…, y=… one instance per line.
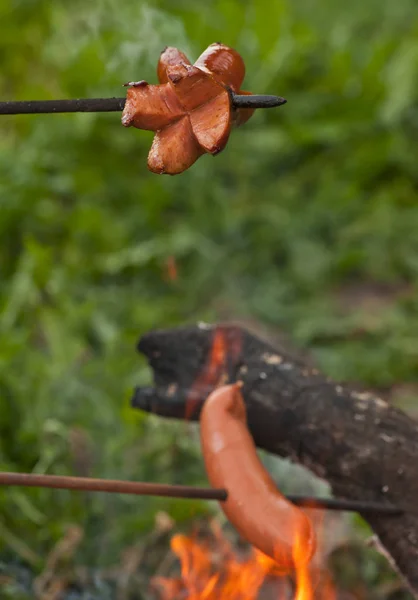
x=192, y=86
x=174, y=149
x=151, y=107
x=211, y=123
x=224, y=63
x=255, y=507
x=169, y=56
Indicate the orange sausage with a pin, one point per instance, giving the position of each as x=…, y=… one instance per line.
x=224, y=63
x=254, y=506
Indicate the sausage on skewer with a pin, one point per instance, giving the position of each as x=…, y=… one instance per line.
x=255, y=507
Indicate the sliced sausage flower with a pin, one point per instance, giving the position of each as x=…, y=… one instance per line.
x=190, y=110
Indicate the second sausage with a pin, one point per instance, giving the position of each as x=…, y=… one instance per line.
x=255, y=507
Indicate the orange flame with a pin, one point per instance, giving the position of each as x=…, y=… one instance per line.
x=224, y=347
x=212, y=570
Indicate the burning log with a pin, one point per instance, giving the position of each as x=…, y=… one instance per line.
x=365, y=448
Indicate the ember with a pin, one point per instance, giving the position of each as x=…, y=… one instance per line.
x=223, y=349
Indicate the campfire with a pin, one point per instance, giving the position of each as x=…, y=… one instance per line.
x=223, y=376
x=211, y=568
x=294, y=411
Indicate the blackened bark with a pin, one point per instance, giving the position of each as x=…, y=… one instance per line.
x=365, y=448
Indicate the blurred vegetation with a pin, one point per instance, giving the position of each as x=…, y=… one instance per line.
x=307, y=223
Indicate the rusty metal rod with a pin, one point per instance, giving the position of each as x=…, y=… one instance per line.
x=26, y=107
x=115, y=486
x=87, y=484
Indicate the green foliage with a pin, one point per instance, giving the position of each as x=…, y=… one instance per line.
x=307, y=221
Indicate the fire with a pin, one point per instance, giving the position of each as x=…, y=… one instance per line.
x=212, y=570
x=303, y=578
x=223, y=348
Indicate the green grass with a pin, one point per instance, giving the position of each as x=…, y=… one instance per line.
x=307, y=222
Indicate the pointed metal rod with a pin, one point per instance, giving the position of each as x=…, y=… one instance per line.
x=27, y=107
x=87, y=484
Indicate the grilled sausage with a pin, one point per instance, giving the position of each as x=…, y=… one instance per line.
x=191, y=110
x=255, y=507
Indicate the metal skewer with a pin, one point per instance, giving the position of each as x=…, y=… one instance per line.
x=86, y=484
x=26, y=107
